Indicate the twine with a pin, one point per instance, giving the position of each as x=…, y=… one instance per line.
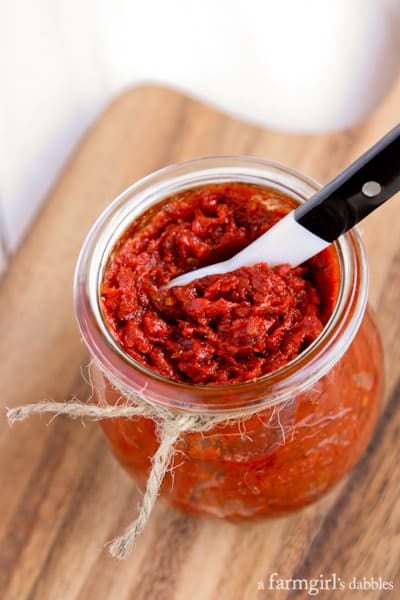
x=169, y=427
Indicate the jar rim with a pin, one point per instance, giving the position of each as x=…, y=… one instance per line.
x=130, y=376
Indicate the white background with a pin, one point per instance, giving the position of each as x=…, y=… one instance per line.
x=305, y=65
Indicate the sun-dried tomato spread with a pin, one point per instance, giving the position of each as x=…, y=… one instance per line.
x=222, y=328
x=233, y=328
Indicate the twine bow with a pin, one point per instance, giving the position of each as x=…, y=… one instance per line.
x=170, y=425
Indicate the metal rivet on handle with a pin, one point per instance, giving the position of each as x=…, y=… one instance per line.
x=371, y=189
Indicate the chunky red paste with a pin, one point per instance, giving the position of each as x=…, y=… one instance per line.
x=232, y=328
x=222, y=328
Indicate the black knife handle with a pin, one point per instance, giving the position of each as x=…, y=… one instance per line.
x=358, y=190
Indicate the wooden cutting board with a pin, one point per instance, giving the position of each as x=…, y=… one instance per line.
x=63, y=495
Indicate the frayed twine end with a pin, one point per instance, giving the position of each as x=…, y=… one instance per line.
x=76, y=410
x=121, y=547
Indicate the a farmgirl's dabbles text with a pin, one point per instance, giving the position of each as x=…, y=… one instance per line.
x=222, y=328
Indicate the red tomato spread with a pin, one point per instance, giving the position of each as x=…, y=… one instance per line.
x=222, y=328
x=233, y=328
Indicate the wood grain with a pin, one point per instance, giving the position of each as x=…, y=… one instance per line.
x=63, y=496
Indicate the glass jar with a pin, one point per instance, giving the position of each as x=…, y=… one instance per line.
x=301, y=428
